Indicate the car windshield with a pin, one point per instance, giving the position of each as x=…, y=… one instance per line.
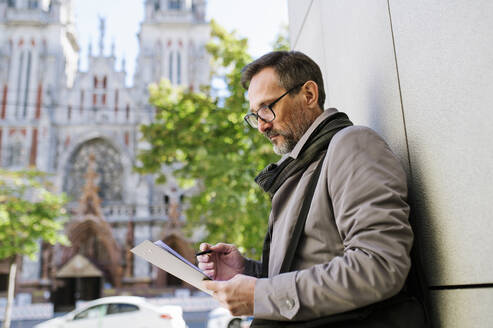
x=93, y=312
x=115, y=308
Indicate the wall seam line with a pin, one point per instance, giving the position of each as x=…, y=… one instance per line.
x=456, y=287
x=302, y=24
x=400, y=92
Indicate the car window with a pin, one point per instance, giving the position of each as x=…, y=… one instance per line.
x=93, y=312
x=121, y=308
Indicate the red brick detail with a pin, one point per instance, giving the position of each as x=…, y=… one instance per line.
x=33, y=43
x=23, y=131
x=11, y=131
x=103, y=99
x=38, y=101
x=127, y=138
x=94, y=99
x=180, y=43
x=67, y=141
x=21, y=42
x=34, y=148
x=4, y=102
x=169, y=43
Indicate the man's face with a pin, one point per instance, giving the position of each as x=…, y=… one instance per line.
x=291, y=120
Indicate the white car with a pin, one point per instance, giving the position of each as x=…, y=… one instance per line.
x=119, y=312
x=222, y=318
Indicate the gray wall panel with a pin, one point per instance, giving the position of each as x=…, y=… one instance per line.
x=310, y=32
x=445, y=57
x=361, y=74
x=358, y=63
x=296, y=20
x=463, y=308
x=444, y=54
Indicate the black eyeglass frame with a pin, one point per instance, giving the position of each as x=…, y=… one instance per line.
x=269, y=106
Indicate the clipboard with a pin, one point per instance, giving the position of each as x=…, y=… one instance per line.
x=167, y=259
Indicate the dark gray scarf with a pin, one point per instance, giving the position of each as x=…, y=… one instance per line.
x=274, y=175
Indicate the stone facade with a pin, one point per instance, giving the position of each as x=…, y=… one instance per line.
x=63, y=120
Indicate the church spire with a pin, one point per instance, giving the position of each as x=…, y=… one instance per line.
x=101, y=34
x=89, y=48
x=113, y=47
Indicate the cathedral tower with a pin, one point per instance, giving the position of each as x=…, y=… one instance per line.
x=38, y=58
x=172, y=42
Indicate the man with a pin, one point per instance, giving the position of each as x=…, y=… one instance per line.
x=355, y=245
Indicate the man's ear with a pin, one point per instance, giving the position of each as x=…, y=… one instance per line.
x=310, y=93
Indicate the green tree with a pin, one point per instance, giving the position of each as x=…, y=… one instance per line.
x=29, y=212
x=215, y=148
x=281, y=43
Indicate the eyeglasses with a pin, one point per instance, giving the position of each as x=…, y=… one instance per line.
x=265, y=112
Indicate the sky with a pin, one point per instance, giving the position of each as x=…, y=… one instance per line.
x=258, y=20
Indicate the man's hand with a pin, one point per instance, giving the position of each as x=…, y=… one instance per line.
x=223, y=263
x=237, y=295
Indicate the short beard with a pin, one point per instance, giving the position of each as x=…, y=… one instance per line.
x=292, y=134
x=285, y=147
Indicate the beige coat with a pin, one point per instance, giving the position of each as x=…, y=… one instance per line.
x=351, y=256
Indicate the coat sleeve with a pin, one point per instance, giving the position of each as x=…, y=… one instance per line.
x=253, y=268
x=368, y=189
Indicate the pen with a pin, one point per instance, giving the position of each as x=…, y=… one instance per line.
x=204, y=252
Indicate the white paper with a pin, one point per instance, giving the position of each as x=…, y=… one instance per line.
x=167, y=259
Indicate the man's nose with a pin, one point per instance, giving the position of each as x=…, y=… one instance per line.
x=263, y=126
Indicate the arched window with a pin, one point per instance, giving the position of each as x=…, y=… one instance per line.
x=23, y=80
x=171, y=67
x=116, y=101
x=19, y=84
x=95, y=82
x=166, y=203
x=157, y=5
x=28, y=79
x=178, y=68
x=81, y=109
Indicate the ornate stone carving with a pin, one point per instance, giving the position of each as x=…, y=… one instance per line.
x=90, y=234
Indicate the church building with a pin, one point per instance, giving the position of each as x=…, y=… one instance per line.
x=83, y=127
